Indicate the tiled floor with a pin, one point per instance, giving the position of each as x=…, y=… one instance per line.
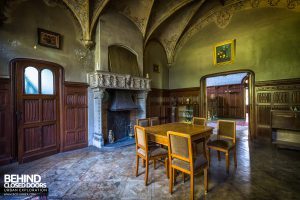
x=263, y=173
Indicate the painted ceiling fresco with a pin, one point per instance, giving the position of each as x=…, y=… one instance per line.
x=170, y=22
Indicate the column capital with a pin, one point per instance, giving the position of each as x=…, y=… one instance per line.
x=98, y=93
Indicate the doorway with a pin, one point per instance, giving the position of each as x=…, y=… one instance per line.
x=37, y=87
x=229, y=95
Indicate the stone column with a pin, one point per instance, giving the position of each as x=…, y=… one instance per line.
x=98, y=140
x=142, y=102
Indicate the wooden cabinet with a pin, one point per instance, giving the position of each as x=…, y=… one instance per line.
x=185, y=113
x=285, y=127
x=274, y=95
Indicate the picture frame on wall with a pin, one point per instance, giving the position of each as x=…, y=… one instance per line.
x=49, y=39
x=156, y=68
x=224, y=52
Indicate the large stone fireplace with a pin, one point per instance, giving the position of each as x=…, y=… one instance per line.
x=106, y=115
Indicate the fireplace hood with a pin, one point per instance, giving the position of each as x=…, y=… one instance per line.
x=122, y=100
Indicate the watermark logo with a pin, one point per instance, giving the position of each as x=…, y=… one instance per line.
x=24, y=184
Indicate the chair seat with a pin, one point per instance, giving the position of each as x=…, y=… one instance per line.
x=224, y=144
x=154, y=151
x=199, y=162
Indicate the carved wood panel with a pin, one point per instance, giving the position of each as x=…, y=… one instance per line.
x=274, y=95
x=76, y=130
x=5, y=122
x=227, y=101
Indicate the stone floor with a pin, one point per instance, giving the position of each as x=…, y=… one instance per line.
x=263, y=172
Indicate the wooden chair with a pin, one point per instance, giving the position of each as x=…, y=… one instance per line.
x=199, y=121
x=143, y=122
x=199, y=144
x=146, y=152
x=226, y=141
x=181, y=158
x=154, y=121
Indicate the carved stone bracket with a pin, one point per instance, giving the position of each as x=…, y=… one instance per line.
x=101, y=79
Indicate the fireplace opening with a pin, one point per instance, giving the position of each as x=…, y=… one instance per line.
x=118, y=122
x=121, y=115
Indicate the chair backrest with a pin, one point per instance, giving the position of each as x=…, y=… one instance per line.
x=199, y=121
x=227, y=129
x=143, y=122
x=180, y=147
x=154, y=121
x=141, y=139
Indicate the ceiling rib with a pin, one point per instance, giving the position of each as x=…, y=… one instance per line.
x=164, y=17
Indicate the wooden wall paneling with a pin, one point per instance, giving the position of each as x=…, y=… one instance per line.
x=274, y=95
x=227, y=101
x=76, y=120
x=5, y=122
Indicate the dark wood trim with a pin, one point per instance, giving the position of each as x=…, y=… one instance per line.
x=277, y=82
x=76, y=84
x=185, y=89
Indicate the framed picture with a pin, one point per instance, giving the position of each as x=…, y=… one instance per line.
x=156, y=68
x=49, y=39
x=224, y=52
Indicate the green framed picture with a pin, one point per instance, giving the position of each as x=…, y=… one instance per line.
x=224, y=52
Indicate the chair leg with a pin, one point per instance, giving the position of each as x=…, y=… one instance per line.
x=171, y=180
x=208, y=157
x=174, y=175
x=143, y=161
x=205, y=181
x=183, y=176
x=192, y=186
x=154, y=164
x=219, y=156
x=167, y=167
x=235, y=159
x=227, y=162
x=137, y=166
x=147, y=170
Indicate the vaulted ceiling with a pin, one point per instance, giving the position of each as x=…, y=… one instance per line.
x=170, y=22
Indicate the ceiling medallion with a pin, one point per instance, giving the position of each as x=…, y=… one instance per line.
x=223, y=18
x=273, y=2
x=254, y=3
x=291, y=4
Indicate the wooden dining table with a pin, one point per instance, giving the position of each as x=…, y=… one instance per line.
x=158, y=133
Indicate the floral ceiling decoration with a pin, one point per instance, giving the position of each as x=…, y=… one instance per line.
x=171, y=22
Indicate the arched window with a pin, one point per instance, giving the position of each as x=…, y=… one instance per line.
x=31, y=78
x=38, y=82
x=47, y=82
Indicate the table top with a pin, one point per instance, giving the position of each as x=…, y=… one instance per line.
x=161, y=130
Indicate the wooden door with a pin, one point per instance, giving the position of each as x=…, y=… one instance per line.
x=38, y=99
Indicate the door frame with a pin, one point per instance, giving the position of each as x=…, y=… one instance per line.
x=13, y=66
x=203, y=97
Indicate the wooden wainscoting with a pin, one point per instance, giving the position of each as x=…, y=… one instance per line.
x=5, y=122
x=164, y=103
x=158, y=104
x=75, y=116
x=274, y=95
x=226, y=101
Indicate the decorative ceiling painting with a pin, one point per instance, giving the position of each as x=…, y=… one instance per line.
x=171, y=22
